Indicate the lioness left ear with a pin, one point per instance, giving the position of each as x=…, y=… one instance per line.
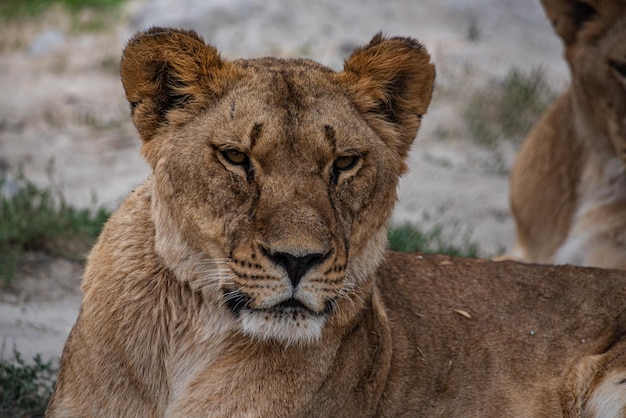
x=391, y=82
x=167, y=70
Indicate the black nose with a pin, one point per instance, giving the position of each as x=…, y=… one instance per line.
x=296, y=266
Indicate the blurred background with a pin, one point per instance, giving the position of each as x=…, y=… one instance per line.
x=64, y=120
x=69, y=152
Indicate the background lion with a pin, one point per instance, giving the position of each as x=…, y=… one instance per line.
x=568, y=185
x=248, y=275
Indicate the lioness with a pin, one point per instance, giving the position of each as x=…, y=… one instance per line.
x=568, y=185
x=248, y=275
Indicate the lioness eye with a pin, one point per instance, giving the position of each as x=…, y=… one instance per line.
x=235, y=157
x=346, y=162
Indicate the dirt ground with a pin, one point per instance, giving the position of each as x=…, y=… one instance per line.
x=65, y=122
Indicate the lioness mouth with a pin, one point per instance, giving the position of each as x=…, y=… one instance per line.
x=238, y=301
x=292, y=303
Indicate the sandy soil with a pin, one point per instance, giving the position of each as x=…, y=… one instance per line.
x=64, y=120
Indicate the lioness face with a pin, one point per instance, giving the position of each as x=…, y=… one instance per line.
x=598, y=63
x=291, y=186
x=272, y=194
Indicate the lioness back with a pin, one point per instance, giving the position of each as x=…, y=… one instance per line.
x=248, y=275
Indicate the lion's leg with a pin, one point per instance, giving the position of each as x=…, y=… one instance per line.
x=543, y=185
x=596, y=386
x=608, y=400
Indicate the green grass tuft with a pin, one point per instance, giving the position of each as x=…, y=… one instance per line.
x=508, y=108
x=11, y=9
x=408, y=237
x=33, y=219
x=25, y=389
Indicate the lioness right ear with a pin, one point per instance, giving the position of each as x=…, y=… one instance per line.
x=582, y=20
x=568, y=17
x=168, y=75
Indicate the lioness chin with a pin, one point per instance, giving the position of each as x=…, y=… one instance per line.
x=568, y=185
x=248, y=275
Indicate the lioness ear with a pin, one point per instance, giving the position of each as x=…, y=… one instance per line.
x=582, y=20
x=165, y=71
x=568, y=17
x=391, y=84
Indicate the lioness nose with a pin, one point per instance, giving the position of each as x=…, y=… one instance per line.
x=296, y=266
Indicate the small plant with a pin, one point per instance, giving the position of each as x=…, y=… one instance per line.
x=25, y=388
x=473, y=33
x=34, y=219
x=408, y=237
x=10, y=9
x=509, y=108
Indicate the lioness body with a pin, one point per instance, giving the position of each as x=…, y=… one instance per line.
x=568, y=185
x=437, y=337
x=248, y=275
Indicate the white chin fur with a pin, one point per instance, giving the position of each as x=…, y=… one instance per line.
x=287, y=329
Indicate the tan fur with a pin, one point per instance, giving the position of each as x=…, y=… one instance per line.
x=184, y=311
x=568, y=185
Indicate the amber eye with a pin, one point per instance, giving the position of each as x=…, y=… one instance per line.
x=346, y=162
x=235, y=157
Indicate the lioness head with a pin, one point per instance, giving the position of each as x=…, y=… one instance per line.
x=273, y=180
x=594, y=35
